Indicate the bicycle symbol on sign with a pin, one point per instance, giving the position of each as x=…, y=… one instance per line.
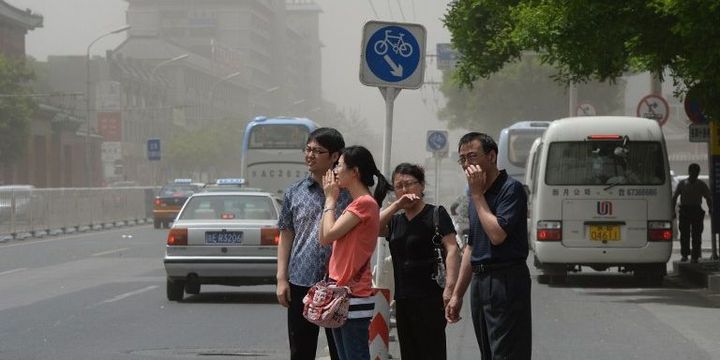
x=394, y=42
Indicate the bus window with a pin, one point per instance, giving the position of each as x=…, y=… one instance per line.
x=278, y=137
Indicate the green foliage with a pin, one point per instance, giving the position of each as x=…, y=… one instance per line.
x=593, y=40
x=15, y=109
x=521, y=91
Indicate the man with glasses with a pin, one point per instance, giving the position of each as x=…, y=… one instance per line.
x=302, y=261
x=496, y=266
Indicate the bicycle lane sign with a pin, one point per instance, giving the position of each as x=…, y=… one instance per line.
x=393, y=55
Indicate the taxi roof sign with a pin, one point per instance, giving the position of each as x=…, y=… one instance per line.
x=183, y=181
x=230, y=181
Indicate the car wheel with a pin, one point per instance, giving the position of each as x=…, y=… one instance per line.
x=175, y=289
x=192, y=287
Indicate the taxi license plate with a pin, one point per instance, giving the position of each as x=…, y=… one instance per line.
x=223, y=237
x=605, y=232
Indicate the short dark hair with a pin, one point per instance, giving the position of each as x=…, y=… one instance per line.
x=416, y=171
x=329, y=138
x=486, y=141
x=694, y=169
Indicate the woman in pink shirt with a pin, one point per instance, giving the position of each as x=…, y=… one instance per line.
x=353, y=236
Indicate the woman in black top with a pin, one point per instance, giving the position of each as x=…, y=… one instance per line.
x=419, y=300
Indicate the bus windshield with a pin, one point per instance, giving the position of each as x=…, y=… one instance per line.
x=605, y=162
x=278, y=137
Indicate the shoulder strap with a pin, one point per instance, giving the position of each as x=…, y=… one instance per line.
x=436, y=224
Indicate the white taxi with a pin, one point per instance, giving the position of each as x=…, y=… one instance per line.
x=226, y=238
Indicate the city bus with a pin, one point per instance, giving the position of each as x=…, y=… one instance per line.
x=272, y=152
x=514, y=145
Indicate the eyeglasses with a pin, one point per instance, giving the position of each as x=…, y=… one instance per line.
x=405, y=185
x=315, y=151
x=471, y=157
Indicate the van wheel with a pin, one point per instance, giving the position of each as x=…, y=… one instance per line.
x=552, y=274
x=175, y=289
x=650, y=274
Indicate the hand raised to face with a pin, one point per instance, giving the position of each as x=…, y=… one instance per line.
x=476, y=178
x=330, y=185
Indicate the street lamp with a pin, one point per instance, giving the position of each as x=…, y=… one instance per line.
x=214, y=86
x=168, y=61
x=88, y=172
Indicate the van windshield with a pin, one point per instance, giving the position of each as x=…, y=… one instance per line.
x=605, y=163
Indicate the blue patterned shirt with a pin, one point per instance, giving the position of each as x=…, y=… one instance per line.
x=301, y=213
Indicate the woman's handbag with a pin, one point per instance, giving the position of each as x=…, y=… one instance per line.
x=439, y=273
x=327, y=304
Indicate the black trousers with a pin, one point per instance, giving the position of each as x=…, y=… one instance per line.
x=421, y=328
x=691, y=224
x=500, y=304
x=303, y=335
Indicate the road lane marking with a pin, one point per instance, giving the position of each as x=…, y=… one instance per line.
x=127, y=294
x=109, y=252
x=67, y=237
x=12, y=271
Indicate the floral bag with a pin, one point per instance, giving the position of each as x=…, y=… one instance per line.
x=327, y=304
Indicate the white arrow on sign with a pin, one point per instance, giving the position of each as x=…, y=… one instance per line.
x=397, y=70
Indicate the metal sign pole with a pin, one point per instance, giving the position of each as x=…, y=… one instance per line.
x=714, y=168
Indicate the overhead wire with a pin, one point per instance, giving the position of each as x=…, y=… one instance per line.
x=402, y=13
x=373, y=8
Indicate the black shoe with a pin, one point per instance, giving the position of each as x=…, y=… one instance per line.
x=693, y=261
x=683, y=259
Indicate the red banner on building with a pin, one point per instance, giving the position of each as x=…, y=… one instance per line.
x=110, y=125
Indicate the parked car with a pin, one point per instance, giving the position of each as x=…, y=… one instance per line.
x=226, y=238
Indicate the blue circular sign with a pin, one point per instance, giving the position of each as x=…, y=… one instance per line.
x=392, y=53
x=437, y=141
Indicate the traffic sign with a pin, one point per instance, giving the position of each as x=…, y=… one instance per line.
x=437, y=141
x=654, y=107
x=585, y=109
x=153, y=149
x=446, y=56
x=693, y=109
x=699, y=132
x=393, y=55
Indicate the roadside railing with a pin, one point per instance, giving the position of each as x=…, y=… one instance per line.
x=36, y=212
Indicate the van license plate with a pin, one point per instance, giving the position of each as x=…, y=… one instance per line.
x=605, y=232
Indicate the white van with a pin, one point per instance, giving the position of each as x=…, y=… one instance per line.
x=600, y=197
x=514, y=144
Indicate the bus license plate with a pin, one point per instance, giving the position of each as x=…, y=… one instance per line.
x=605, y=232
x=223, y=237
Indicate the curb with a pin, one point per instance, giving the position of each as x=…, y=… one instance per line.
x=704, y=273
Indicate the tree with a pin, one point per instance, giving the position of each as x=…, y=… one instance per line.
x=520, y=91
x=16, y=109
x=599, y=40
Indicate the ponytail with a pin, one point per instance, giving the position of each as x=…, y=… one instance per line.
x=382, y=188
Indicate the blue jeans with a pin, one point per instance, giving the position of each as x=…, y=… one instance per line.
x=351, y=339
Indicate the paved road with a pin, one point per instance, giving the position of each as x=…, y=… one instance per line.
x=101, y=296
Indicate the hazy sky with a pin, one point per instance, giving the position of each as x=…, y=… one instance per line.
x=70, y=25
